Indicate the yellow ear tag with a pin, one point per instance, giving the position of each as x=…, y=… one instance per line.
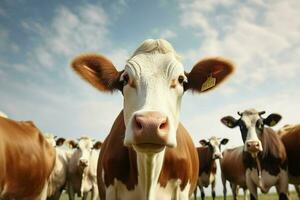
x=209, y=83
x=273, y=122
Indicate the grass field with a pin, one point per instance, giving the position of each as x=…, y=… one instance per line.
x=271, y=196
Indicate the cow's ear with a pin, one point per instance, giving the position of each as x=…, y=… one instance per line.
x=98, y=71
x=272, y=119
x=207, y=74
x=224, y=141
x=72, y=144
x=97, y=145
x=60, y=141
x=204, y=142
x=229, y=121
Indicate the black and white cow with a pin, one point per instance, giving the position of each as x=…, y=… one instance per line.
x=264, y=154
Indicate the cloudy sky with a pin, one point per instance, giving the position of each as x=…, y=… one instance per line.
x=39, y=39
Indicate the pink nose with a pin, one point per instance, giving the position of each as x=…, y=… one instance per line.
x=150, y=128
x=253, y=146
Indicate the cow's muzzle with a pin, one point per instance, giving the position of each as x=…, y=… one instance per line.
x=253, y=146
x=150, y=131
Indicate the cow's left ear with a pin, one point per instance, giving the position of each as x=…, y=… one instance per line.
x=97, y=145
x=207, y=74
x=203, y=142
x=60, y=141
x=72, y=144
x=224, y=141
x=272, y=119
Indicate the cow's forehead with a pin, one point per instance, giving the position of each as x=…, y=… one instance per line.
x=85, y=142
x=150, y=64
x=250, y=117
x=214, y=141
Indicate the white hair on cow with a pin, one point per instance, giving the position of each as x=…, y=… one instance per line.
x=2, y=114
x=153, y=46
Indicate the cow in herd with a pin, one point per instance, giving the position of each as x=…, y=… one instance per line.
x=264, y=155
x=148, y=154
x=26, y=161
x=208, y=153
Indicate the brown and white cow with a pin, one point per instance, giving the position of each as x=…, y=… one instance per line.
x=58, y=178
x=208, y=154
x=148, y=154
x=26, y=161
x=264, y=154
x=82, y=169
x=290, y=136
x=234, y=171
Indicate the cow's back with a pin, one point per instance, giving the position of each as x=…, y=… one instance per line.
x=291, y=140
x=120, y=161
x=232, y=166
x=26, y=159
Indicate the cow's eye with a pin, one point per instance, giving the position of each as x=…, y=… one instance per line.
x=125, y=79
x=181, y=79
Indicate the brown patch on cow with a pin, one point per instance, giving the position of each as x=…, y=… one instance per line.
x=181, y=162
x=291, y=140
x=119, y=162
x=232, y=166
x=273, y=158
x=208, y=165
x=98, y=71
x=217, y=68
x=26, y=159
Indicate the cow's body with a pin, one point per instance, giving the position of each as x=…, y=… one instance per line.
x=58, y=178
x=264, y=155
x=233, y=170
x=153, y=155
x=290, y=136
x=26, y=161
x=82, y=176
x=208, y=153
x=120, y=170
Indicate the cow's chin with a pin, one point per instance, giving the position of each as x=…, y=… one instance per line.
x=149, y=148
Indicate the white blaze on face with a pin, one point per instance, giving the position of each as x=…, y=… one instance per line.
x=85, y=147
x=250, y=118
x=216, y=143
x=153, y=86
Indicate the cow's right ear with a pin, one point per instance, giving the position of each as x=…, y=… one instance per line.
x=203, y=142
x=97, y=145
x=229, y=121
x=98, y=71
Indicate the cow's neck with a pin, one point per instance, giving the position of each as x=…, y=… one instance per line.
x=149, y=168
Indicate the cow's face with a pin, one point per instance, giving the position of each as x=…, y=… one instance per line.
x=214, y=144
x=251, y=125
x=84, y=147
x=152, y=82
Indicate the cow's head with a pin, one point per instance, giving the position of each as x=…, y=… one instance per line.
x=54, y=140
x=251, y=124
x=214, y=145
x=84, y=147
x=152, y=83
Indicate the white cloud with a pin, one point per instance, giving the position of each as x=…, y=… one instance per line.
x=167, y=34
x=255, y=35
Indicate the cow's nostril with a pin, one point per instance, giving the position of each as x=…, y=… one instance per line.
x=163, y=125
x=138, y=123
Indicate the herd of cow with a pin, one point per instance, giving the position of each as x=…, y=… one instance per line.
x=148, y=153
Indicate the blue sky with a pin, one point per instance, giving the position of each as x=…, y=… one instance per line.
x=39, y=39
